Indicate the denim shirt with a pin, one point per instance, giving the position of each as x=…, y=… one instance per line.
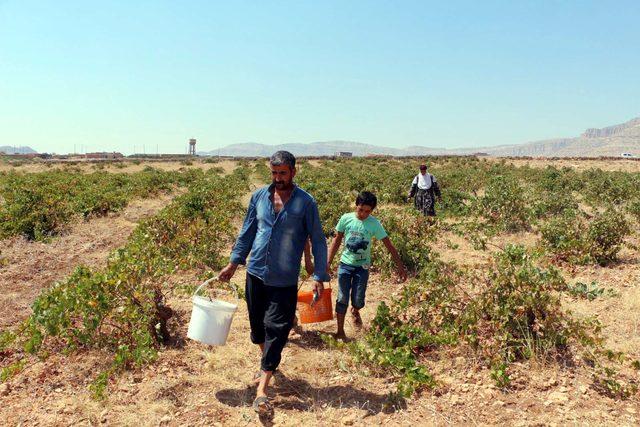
x=276, y=241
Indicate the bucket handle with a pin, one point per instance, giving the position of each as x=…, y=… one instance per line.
x=326, y=285
x=215, y=279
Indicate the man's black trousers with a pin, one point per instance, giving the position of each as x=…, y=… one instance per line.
x=271, y=313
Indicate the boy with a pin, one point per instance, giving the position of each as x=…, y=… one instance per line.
x=358, y=228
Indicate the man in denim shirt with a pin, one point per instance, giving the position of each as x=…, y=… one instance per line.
x=279, y=220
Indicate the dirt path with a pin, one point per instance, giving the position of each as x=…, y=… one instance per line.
x=28, y=267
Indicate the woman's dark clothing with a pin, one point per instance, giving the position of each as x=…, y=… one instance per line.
x=424, y=199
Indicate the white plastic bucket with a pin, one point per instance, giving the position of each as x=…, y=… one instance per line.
x=210, y=319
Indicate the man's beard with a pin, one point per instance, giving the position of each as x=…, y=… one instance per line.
x=283, y=185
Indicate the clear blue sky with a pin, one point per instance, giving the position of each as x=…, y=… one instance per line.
x=114, y=74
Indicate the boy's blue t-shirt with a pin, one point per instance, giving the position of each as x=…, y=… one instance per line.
x=357, y=238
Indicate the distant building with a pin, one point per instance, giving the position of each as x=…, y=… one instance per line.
x=30, y=156
x=480, y=154
x=344, y=154
x=104, y=156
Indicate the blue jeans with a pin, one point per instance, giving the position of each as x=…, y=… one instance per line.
x=352, y=282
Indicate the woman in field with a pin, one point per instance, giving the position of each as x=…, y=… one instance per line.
x=424, y=190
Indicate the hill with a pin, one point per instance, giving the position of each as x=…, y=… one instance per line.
x=16, y=150
x=607, y=141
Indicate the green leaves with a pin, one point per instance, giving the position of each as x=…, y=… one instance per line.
x=566, y=239
x=605, y=236
x=505, y=205
x=589, y=291
x=40, y=205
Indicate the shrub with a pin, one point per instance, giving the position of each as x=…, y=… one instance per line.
x=262, y=171
x=551, y=204
x=504, y=204
x=456, y=203
x=33, y=210
x=41, y=205
x=605, y=236
x=566, y=239
x=603, y=188
x=517, y=313
x=634, y=209
x=562, y=236
x=411, y=234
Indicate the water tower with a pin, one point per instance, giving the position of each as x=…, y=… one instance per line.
x=192, y=146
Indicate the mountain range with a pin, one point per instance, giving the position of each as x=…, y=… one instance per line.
x=608, y=141
x=16, y=150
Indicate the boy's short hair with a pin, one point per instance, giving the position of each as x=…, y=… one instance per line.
x=280, y=158
x=367, y=198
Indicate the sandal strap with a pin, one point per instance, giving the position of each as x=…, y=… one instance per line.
x=262, y=401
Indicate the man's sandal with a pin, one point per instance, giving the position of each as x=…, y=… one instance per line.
x=262, y=406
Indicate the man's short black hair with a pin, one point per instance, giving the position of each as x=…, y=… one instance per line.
x=282, y=157
x=367, y=198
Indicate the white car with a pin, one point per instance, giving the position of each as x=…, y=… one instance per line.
x=627, y=155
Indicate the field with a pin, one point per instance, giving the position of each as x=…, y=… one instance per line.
x=523, y=305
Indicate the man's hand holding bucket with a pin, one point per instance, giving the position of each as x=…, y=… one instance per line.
x=318, y=287
x=227, y=273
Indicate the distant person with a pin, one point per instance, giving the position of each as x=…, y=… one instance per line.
x=424, y=190
x=358, y=228
x=279, y=220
